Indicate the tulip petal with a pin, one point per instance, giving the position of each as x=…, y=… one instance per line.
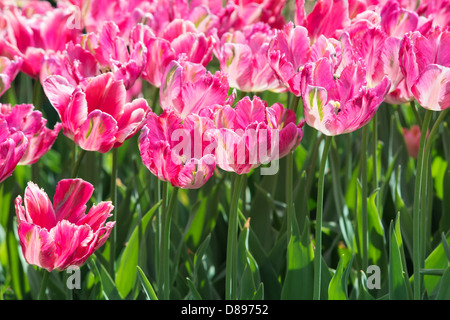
x=432, y=89
x=38, y=207
x=97, y=133
x=37, y=244
x=70, y=199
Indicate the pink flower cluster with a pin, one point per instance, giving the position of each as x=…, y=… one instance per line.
x=343, y=59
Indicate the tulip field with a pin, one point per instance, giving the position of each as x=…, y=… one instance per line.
x=225, y=150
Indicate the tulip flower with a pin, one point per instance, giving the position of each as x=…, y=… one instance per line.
x=23, y=118
x=12, y=148
x=290, y=50
x=328, y=18
x=60, y=234
x=253, y=133
x=412, y=140
x=425, y=63
x=186, y=164
x=243, y=55
x=32, y=39
x=340, y=106
x=97, y=54
x=8, y=71
x=438, y=11
x=96, y=117
x=188, y=88
x=113, y=54
x=180, y=37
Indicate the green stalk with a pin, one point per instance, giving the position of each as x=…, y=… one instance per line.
x=231, y=264
x=416, y=113
x=161, y=238
x=157, y=197
x=77, y=163
x=427, y=181
x=113, y=236
x=416, y=213
x=289, y=194
x=289, y=179
x=37, y=101
x=364, y=192
x=42, y=295
x=318, y=249
x=424, y=196
x=166, y=243
x=375, y=157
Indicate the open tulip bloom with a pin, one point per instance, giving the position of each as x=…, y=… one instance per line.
x=178, y=150
x=60, y=234
x=30, y=122
x=96, y=117
x=12, y=148
x=340, y=106
x=8, y=71
x=224, y=139
x=425, y=63
x=252, y=134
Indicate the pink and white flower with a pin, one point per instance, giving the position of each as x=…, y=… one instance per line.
x=60, y=234
x=186, y=164
x=12, y=148
x=98, y=116
x=425, y=63
x=243, y=55
x=188, y=87
x=252, y=134
x=23, y=118
x=8, y=71
x=340, y=106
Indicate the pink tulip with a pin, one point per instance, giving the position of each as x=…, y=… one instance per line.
x=412, y=140
x=438, y=11
x=180, y=37
x=97, y=54
x=96, y=117
x=425, y=63
x=188, y=88
x=8, y=71
x=35, y=37
x=12, y=148
x=290, y=50
x=60, y=234
x=23, y=118
x=340, y=106
x=327, y=18
x=252, y=134
x=186, y=164
x=376, y=39
x=243, y=55
x=114, y=54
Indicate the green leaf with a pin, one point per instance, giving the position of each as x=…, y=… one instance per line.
x=436, y=260
x=377, y=242
x=127, y=270
x=200, y=253
x=438, y=169
x=397, y=286
x=146, y=285
x=444, y=288
x=300, y=266
x=205, y=217
x=248, y=270
x=338, y=287
x=446, y=247
x=194, y=292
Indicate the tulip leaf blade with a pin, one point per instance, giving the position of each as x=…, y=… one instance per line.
x=127, y=271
